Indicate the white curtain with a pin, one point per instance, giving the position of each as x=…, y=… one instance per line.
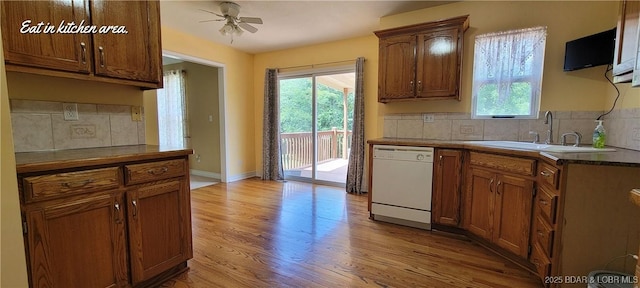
x=504, y=58
x=173, y=128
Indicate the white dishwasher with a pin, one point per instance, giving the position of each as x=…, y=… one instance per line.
x=402, y=180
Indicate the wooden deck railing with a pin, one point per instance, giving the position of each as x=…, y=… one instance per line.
x=297, y=148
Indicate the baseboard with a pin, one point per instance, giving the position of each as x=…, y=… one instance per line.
x=205, y=174
x=242, y=176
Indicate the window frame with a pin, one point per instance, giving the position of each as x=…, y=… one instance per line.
x=533, y=79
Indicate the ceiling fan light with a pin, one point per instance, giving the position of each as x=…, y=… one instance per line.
x=226, y=30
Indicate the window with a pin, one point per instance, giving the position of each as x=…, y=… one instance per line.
x=507, y=73
x=173, y=130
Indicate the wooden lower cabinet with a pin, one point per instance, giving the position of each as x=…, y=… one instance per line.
x=447, y=185
x=512, y=216
x=78, y=242
x=480, y=211
x=159, y=228
x=88, y=228
x=500, y=209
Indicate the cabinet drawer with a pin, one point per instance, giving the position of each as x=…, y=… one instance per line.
x=64, y=184
x=147, y=172
x=543, y=235
x=549, y=175
x=540, y=261
x=546, y=201
x=503, y=163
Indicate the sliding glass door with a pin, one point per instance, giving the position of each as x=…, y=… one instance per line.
x=316, y=112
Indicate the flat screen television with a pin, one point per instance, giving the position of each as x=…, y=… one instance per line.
x=590, y=51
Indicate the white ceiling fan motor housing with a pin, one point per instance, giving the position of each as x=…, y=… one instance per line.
x=230, y=8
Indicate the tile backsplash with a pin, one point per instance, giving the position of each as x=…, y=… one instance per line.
x=623, y=127
x=40, y=126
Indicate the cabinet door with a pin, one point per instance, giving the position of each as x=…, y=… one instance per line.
x=439, y=57
x=159, y=228
x=397, y=68
x=135, y=55
x=512, y=220
x=60, y=51
x=78, y=243
x=480, y=212
x=627, y=37
x=446, y=187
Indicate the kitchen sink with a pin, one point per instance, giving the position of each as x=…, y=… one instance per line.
x=541, y=147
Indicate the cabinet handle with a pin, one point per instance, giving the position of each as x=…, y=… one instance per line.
x=543, y=202
x=117, y=206
x=159, y=171
x=77, y=184
x=419, y=85
x=411, y=85
x=440, y=159
x=545, y=173
x=134, y=203
x=491, y=185
x=540, y=234
x=498, y=187
x=84, y=52
x=101, y=56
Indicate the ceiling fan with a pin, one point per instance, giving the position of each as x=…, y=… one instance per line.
x=234, y=25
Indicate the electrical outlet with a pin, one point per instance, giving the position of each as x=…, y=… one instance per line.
x=136, y=113
x=428, y=118
x=466, y=129
x=70, y=111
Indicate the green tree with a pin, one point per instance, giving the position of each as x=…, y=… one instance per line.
x=296, y=106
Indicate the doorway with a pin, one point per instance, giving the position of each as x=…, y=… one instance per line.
x=205, y=117
x=316, y=121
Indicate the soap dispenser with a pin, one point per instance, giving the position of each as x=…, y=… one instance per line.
x=599, y=135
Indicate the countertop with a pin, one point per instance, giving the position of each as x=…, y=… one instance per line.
x=27, y=162
x=620, y=157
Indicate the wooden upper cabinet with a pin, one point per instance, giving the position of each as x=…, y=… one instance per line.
x=131, y=58
x=135, y=55
x=58, y=51
x=422, y=61
x=625, y=51
x=399, y=52
x=438, y=64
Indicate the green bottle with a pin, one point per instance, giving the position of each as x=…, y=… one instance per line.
x=599, y=135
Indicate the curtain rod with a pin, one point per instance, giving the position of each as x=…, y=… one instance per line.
x=319, y=64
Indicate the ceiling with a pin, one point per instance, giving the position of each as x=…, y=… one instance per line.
x=287, y=24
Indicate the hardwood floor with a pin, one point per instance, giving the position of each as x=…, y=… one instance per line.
x=255, y=233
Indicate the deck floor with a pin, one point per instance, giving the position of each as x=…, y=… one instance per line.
x=334, y=170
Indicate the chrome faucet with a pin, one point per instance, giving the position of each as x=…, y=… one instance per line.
x=578, y=136
x=548, y=119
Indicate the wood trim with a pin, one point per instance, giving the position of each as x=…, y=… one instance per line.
x=85, y=77
x=460, y=20
x=504, y=163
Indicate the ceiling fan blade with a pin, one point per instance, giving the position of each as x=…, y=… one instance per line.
x=252, y=20
x=212, y=13
x=248, y=27
x=211, y=20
